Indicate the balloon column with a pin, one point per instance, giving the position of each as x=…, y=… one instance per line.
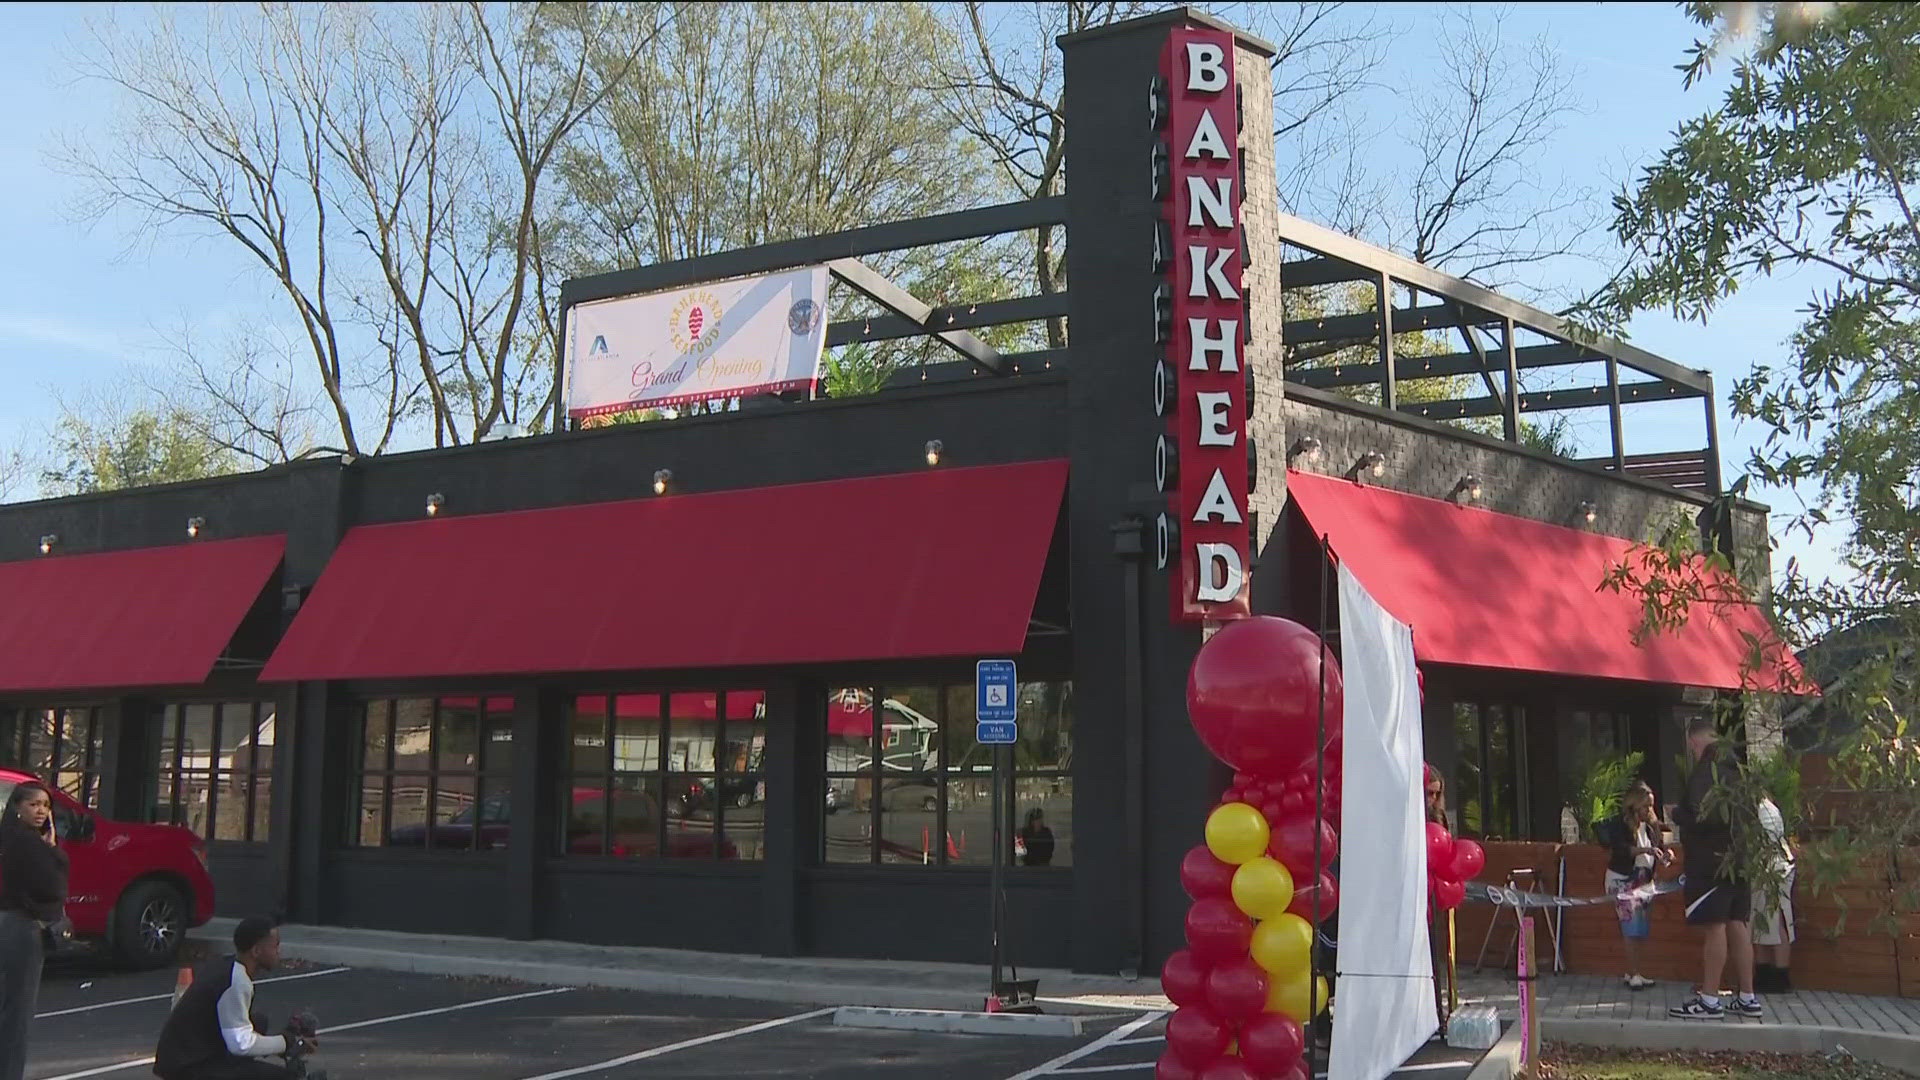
x=1451, y=864
x=1244, y=987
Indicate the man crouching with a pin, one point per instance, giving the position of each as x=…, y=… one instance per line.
x=213, y=1033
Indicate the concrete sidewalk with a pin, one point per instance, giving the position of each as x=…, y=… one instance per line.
x=799, y=981
x=1600, y=1011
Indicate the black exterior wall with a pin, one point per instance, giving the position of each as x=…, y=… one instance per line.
x=1142, y=782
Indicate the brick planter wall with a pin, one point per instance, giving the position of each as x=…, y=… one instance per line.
x=1857, y=960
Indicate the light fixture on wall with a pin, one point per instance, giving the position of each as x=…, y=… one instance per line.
x=434, y=502
x=1373, y=462
x=47, y=542
x=1468, y=487
x=1306, y=446
x=934, y=449
x=662, y=479
x=1588, y=512
x=194, y=525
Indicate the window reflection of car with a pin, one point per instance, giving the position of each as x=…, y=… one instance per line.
x=635, y=835
x=911, y=793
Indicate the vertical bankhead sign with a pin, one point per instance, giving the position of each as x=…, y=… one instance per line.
x=1200, y=385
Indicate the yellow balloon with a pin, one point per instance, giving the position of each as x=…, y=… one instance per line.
x=1288, y=997
x=1236, y=833
x=1262, y=888
x=1282, y=945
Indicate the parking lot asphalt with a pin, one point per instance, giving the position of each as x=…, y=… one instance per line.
x=96, y=1022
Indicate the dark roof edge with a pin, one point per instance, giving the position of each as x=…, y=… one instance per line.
x=1172, y=16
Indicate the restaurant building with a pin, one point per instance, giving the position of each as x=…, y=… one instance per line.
x=707, y=682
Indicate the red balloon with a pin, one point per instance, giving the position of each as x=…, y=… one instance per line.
x=1184, y=978
x=1469, y=859
x=1292, y=843
x=1253, y=694
x=1217, y=931
x=1170, y=1067
x=1273, y=810
x=1298, y=1072
x=1236, y=990
x=1294, y=802
x=1439, y=850
x=1274, y=788
x=1272, y=1043
x=1228, y=1068
x=1196, y=1036
x=1327, y=890
x=1203, y=875
x=1448, y=895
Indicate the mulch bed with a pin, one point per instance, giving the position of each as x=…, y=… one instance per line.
x=1585, y=1063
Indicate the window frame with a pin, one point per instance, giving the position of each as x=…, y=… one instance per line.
x=489, y=779
x=172, y=717
x=662, y=780
x=945, y=775
x=17, y=745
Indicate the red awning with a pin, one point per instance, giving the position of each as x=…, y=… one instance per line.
x=1489, y=590
x=942, y=562
x=148, y=617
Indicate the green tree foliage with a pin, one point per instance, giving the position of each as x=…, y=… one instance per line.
x=106, y=449
x=1809, y=161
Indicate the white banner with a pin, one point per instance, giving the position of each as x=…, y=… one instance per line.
x=1386, y=1009
x=757, y=335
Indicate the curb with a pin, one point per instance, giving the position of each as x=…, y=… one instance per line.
x=783, y=990
x=958, y=1023
x=1503, y=1061
x=1881, y=1048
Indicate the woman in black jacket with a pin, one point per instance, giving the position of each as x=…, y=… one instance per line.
x=33, y=896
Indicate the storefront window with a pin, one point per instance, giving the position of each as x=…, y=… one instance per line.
x=59, y=745
x=1488, y=793
x=213, y=769
x=675, y=776
x=907, y=784
x=436, y=774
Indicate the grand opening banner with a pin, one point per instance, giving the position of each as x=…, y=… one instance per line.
x=756, y=335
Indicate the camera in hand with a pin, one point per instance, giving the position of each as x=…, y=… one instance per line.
x=302, y=1028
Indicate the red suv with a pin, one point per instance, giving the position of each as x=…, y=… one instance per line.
x=136, y=888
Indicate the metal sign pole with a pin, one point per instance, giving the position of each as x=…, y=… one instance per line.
x=998, y=884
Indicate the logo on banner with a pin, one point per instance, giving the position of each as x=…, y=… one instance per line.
x=694, y=319
x=599, y=345
x=1201, y=463
x=803, y=317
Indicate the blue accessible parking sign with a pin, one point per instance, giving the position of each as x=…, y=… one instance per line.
x=995, y=707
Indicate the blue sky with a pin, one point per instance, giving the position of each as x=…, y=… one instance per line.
x=82, y=303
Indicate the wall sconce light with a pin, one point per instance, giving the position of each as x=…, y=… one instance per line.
x=662, y=478
x=47, y=542
x=1588, y=512
x=1373, y=461
x=1307, y=447
x=934, y=449
x=434, y=503
x=1468, y=486
x=194, y=525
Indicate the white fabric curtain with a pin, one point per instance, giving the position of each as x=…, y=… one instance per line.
x=1384, y=1002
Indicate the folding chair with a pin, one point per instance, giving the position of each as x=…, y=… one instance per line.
x=1520, y=879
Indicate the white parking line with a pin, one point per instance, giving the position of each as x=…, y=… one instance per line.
x=1125, y=1067
x=657, y=1051
x=1136, y=1040
x=1111, y=1038
x=169, y=994
x=124, y=1065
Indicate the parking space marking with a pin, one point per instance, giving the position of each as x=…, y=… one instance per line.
x=169, y=994
x=1125, y=1066
x=376, y=1021
x=1103, y=1042
x=686, y=1044
x=1135, y=1041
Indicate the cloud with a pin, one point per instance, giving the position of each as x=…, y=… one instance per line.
x=42, y=330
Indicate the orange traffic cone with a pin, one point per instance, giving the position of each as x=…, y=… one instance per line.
x=180, y=984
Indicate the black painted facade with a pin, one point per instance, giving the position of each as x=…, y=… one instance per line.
x=1142, y=783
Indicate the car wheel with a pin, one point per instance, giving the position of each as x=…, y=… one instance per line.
x=929, y=804
x=743, y=800
x=149, y=925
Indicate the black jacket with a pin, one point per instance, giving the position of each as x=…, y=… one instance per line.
x=33, y=873
x=193, y=1037
x=1706, y=832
